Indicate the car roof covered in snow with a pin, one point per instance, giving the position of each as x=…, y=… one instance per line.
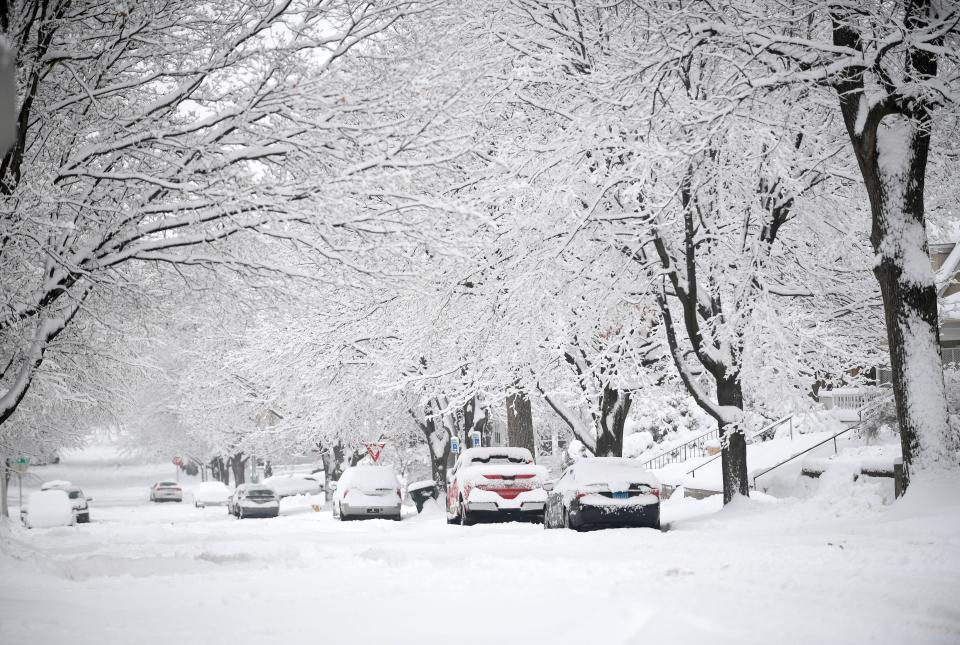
x=56, y=483
x=484, y=454
x=371, y=474
x=604, y=470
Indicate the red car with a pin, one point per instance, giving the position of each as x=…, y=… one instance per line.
x=496, y=484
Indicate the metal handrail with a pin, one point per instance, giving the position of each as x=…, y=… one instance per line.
x=805, y=451
x=775, y=424
x=675, y=451
x=872, y=403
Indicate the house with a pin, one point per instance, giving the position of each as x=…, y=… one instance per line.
x=945, y=257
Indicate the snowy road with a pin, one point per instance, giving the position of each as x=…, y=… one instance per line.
x=832, y=569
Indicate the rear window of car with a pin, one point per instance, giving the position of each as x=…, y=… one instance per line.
x=260, y=492
x=499, y=459
x=378, y=476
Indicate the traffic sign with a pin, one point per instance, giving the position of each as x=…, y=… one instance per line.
x=475, y=438
x=455, y=445
x=177, y=461
x=374, y=449
x=20, y=464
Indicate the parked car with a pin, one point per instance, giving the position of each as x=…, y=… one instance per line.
x=289, y=485
x=253, y=500
x=166, y=491
x=48, y=508
x=80, y=502
x=367, y=491
x=498, y=484
x=603, y=492
x=210, y=494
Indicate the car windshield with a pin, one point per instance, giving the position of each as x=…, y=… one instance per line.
x=74, y=494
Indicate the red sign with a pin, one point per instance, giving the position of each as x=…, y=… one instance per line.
x=177, y=461
x=374, y=449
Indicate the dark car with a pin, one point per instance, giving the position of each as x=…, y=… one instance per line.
x=253, y=500
x=603, y=492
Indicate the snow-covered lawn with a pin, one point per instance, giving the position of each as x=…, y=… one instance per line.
x=838, y=567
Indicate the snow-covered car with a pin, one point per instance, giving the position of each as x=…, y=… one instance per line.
x=166, y=491
x=80, y=502
x=497, y=484
x=367, y=491
x=253, y=500
x=48, y=508
x=289, y=485
x=603, y=491
x=210, y=494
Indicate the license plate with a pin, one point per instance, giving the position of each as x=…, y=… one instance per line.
x=621, y=495
x=373, y=511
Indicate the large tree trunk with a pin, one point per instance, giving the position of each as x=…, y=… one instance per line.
x=614, y=408
x=891, y=140
x=439, y=447
x=332, y=467
x=520, y=422
x=733, y=458
x=238, y=466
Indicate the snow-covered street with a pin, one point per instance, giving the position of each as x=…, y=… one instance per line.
x=833, y=569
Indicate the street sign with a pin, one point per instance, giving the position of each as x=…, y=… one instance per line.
x=374, y=449
x=177, y=461
x=455, y=445
x=19, y=465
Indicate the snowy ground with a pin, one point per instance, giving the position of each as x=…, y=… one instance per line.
x=839, y=567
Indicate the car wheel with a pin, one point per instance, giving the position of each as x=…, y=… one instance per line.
x=465, y=519
x=240, y=513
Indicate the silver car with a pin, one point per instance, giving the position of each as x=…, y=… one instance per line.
x=253, y=500
x=166, y=491
x=367, y=491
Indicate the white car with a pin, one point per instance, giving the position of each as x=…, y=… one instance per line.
x=498, y=484
x=166, y=491
x=253, y=500
x=80, y=502
x=602, y=492
x=210, y=494
x=289, y=485
x=48, y=508
x=367, y=491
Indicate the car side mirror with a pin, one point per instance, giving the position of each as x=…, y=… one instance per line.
x=89, y=499
x=548, y=486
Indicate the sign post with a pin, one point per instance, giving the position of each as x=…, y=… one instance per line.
x=20, y=466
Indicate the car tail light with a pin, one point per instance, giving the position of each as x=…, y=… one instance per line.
x=583, y=493
x=399, y=494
